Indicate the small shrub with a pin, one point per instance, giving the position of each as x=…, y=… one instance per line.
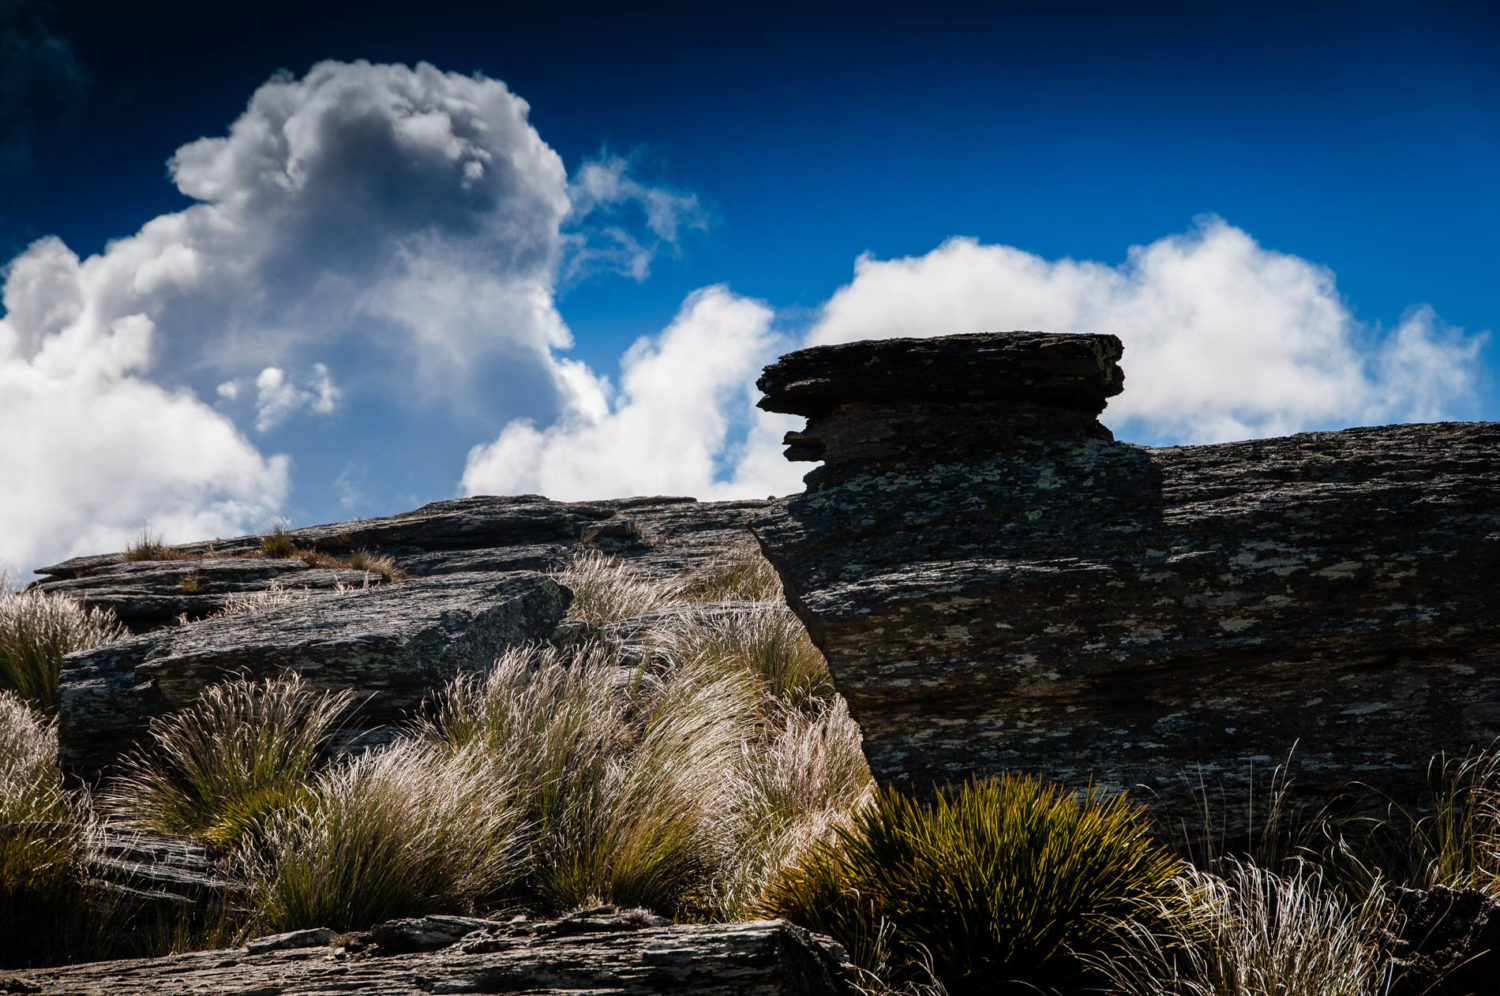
x=278, y=543
x=404, y=831
x=741, y=574
x=148, y=546
x=36, y=630
x=219, y=767
x=605, y=590
x=363, y=560
x=1255, y=933
x=1000, y=882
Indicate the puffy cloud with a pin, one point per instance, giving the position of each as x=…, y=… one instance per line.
x=624, y=224
x=91, y=451
x=277, y=398
x=402, y=224
x=1224, y=339
x=671, y=427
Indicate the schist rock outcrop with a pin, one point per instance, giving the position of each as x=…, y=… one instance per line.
x=601, y=952
x=998, y=584
x=474, y=588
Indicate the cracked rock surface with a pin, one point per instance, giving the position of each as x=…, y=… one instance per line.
x=598, y=952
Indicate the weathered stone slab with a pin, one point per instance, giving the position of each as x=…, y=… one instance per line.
x=391, y=645
x=522, y=532
x=1027, y=594
x=148, y=594
x=668, y=536
x=618, y=956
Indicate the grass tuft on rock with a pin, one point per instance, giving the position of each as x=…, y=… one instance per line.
x=44, y=831
x=998, y=884
x=403, y=831
x=219, y=767
x=36, y=630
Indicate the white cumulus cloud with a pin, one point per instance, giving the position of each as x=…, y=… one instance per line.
x=1224, y=339
x=400, y=225
x=667, y=430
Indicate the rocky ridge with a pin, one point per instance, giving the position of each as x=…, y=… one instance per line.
x=999, y=585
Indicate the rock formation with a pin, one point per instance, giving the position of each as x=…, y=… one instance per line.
x=997, y=584
x=482, y=533
x=474, y=591
x=598, y=952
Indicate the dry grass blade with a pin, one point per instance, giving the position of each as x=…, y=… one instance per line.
x=36, y=631
x=148, y=546
x=43, y=844
x=621, y=773
x=767, y=642
x=405, y=831
x=789, y=793
x=740, y=574
x=1256, y=933
x=606, y=590
x=219, y=767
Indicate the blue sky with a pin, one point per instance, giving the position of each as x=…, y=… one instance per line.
x=1289, y=213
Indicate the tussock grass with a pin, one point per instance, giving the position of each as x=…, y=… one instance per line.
x=606, y=590
x=740, y=574
x=620, y=772
x=220, y=767
x=405, y=831
x=1255, y=933
x=149, y=546
x=999, y=882
x=278, y=543
x=767, y=642
x=36, y=630
x=44, y=832
x=363, y=560
x=790, y=790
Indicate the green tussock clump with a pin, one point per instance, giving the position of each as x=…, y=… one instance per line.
x=1255, y=932
x=219, y=767
x=997, y=884
x=36, y=631
x=403, y=831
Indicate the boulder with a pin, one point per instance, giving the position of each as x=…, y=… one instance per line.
x=621, y=955
x=392, y=645
x=999, y=585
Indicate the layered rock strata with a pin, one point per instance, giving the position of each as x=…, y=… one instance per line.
x=668, y=536
x=392, y=645
x=606, y=955
x=999, y=585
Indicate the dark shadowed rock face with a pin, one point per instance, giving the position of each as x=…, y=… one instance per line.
x=392, y=645
x=599, y=953
x=1018, y=591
